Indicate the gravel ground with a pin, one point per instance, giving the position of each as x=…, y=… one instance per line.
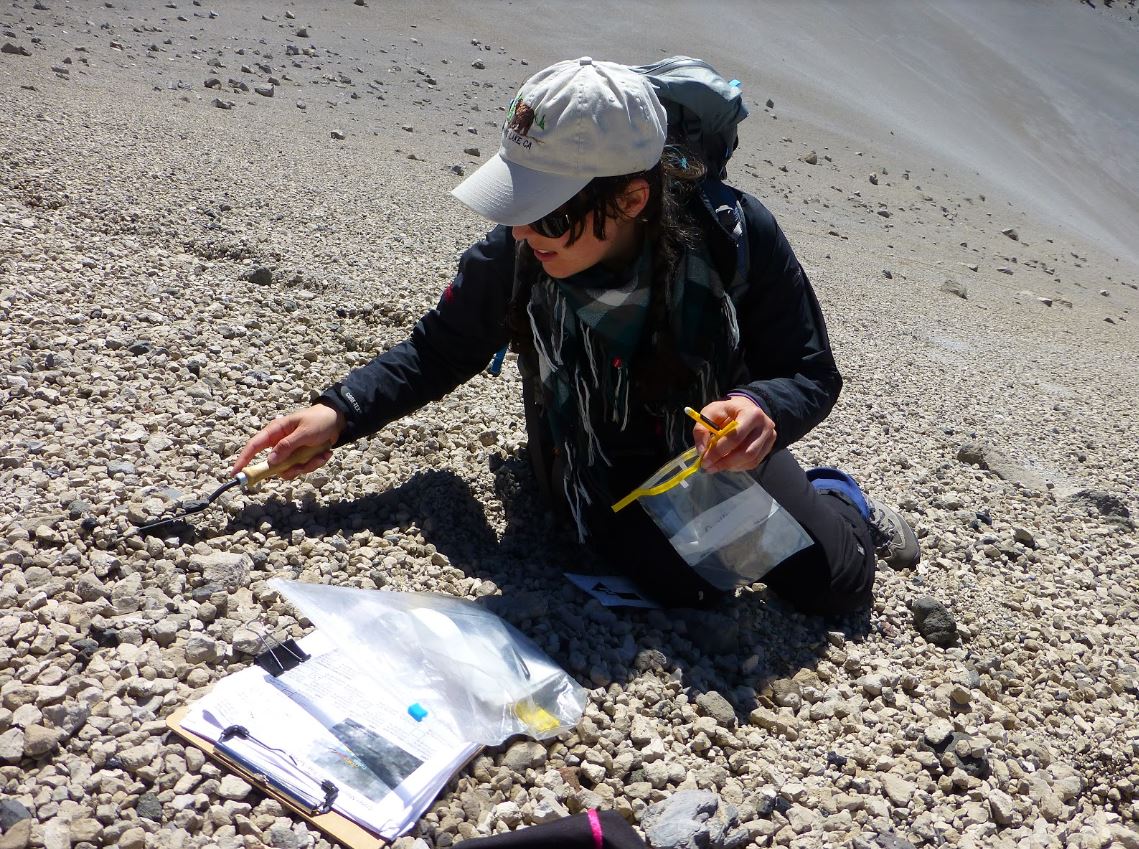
x=173, y=273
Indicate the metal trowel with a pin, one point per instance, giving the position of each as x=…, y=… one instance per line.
x=247, y=479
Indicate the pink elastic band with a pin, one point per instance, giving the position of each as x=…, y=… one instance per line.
x=595, y=826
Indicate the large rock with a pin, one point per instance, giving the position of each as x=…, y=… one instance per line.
x=234, y=787
x=57, y=834
x=777, y=723
x=527, y=754
x=12, y=812
x=938, y=732
x=148, y=807
x=202, y=649
x=132, y=838
x=283, y=837
x=259, y=275
x=12, y=746
x=86, y=830
x=693, y=819
x=955, y=287
x=89, y=588
x=137, y=757
x=68, y=717
x=897, y=789
x=1102, y=504
x=1001, y=807
x=934, y=621
x=18, y=836
x=720, y=709
x=126, y=595
x=994, y=460
x=229, y=570
x=39, y=740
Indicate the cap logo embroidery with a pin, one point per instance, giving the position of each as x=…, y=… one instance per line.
x=519, y=119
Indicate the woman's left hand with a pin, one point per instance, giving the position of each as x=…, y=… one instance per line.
x=746, y=447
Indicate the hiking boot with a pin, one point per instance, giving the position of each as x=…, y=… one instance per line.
x=894, y=539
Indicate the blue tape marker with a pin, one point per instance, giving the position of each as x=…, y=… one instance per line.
x=417, y=712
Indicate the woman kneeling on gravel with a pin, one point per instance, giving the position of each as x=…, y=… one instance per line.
x=604, y=275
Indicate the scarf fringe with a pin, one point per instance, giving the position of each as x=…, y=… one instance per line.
x=545, y=360
x=557, y=337
x=593, y=444
x=587, y=343
x=576, y=493
x=622, y=393
x=728, y=310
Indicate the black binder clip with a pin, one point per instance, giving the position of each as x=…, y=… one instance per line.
x=281, y=658
x=275, y=656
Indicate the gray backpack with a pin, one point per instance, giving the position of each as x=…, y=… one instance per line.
x=703, y=108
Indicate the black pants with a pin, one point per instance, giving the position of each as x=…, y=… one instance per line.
x=835, y=574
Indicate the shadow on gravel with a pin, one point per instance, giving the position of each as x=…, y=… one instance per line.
x=448, y=514
x=736, y=650
x=739, y=650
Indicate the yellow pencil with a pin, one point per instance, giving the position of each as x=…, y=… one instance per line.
x=702, y=419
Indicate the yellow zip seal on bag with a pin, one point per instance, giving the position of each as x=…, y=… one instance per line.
x=536, y=717
x=683, y=474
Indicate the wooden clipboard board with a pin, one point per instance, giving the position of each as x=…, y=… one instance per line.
x=334, y=825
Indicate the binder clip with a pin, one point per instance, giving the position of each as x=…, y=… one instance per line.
x=276, y=656
x=275, y=768
x=281, y=657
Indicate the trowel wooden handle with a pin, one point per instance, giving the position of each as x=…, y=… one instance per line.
x=250, y=476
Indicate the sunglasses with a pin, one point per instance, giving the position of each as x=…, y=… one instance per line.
x=555, y=225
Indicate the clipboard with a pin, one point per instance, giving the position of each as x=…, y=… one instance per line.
x=334, y=825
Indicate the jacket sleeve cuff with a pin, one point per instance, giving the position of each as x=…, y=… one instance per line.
x=761, y=401
x=340, y=399
x=754, y=397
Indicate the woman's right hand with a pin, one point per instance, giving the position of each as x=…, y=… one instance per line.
x=316, y=425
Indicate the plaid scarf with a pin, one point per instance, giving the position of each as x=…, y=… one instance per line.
x=586, y=335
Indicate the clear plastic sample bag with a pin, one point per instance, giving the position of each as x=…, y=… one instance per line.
x=476, y=673
x=726, y=526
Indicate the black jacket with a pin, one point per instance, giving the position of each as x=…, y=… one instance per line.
x=790, y=370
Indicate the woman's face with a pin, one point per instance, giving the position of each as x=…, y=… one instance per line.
x=619, y=247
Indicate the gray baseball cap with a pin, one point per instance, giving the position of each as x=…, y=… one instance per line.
x=569, y=123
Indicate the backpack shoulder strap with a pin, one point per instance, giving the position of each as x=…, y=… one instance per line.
x=724, y=216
